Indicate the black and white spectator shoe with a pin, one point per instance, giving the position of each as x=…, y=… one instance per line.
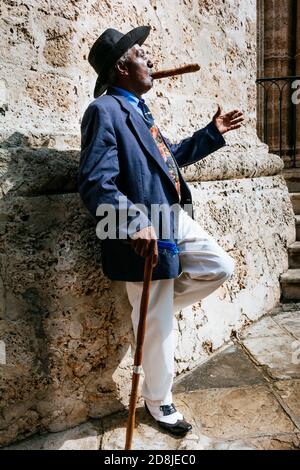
x=169, y=419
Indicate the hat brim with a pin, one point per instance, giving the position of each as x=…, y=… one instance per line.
x=135, y=36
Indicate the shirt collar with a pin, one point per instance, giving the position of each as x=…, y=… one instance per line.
x=130, y=96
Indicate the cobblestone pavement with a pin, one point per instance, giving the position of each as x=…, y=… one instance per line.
x=247, y=396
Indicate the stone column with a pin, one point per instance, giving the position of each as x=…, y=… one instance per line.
x=279, y=62
x=297, y=58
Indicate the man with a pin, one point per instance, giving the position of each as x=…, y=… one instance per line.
x=126, y=161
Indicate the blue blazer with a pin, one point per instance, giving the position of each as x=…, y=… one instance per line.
x=119, y=157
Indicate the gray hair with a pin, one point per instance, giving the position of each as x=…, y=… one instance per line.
x=112, y=73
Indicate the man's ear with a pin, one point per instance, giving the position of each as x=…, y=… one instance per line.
x=122, y=69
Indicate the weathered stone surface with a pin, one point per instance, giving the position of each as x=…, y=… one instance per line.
x=266, y=327
x=276, y=354
x=61, y=96
x=86, y=436
x=243, y=218
x=228, y=417
x=64, y=325
x=54, y=171
x=146, y=434
x=290, y=322
x=236, y=412
x=228, y=368
x=290, y=281
x=274, y=343
x=290, y=393
x=242, y=415
x=57, y=50
x=234, y=162
x=284, y=441
x=44, y=50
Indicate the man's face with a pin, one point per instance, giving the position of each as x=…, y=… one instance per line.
x=138, y=68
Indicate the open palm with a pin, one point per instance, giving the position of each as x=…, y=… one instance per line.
x=229, y=121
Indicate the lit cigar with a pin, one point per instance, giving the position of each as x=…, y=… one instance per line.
x=178, y=71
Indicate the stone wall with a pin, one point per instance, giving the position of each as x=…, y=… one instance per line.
x=66, y=328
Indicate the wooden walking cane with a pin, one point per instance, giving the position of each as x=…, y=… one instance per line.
x=137, y=367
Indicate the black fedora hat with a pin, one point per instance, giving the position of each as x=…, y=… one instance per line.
x=108, y=48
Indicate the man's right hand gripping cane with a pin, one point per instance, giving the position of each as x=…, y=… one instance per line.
x=144, y=241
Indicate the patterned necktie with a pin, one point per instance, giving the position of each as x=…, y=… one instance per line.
x=146, y=112
x=163, y=149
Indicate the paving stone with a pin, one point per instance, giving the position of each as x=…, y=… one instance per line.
x=83, y=437
x=277, y=354
x=226, y=400
x=235, y=413
x=229, y=368
x=217, y=415
x=290, y=321
x=262, y=328
x=147, y=435
x=289, y=391
x=275, y=442
x=233, y=445
x=227, y=419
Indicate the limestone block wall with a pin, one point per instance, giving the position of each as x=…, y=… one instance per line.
x=46, y=81
x=65, y=328
x=245, y=217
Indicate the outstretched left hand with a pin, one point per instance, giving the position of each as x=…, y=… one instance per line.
x=229, y=121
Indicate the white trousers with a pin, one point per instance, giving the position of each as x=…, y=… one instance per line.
x=205, y=266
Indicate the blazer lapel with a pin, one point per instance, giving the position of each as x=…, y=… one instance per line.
x=143, y=135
